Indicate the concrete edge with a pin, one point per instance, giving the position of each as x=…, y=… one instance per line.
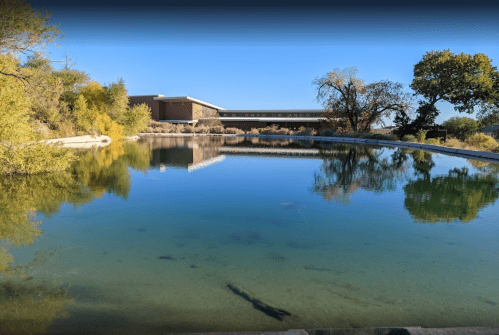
x=482, y=155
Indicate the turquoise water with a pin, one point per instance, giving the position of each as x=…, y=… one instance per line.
x=147, y=237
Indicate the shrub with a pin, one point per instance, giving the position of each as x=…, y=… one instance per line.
x=302, y=131
x=434, y=141
x=135, y=119
x=454, y=143
x=200, y=129
x=409, y=138
x=481, y=141
x=421, y=135
x=253, y=131
x=108, y=127
x=216, y=130
x=188, y=129
x=234, y=131
x=326, y=132
x=461, y=127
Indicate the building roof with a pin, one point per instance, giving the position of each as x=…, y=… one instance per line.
x=180, y=99
x=491, y=128
x=272, y=111
x=272, y=119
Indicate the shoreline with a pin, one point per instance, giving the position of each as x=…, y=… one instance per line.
x=465, y=153
x=88, y=141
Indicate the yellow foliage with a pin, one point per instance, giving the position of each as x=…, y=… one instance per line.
x=108, y=127
x=85, y=117
x=5, y=258
x=96, y=97
x=480, y=141
x=14, y=105
x=31, y=316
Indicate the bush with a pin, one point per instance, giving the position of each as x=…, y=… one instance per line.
x=188, y=129
x=454, y=143
x=253, y=131
x=326, y=132
x=480, y=141
x=409, y=138
x=302, y=131
x=461, y=127
x=216, y=130
x=200, y=129
x=234, y=131
x=434, y=141
x=108, y=127
x=421, y=135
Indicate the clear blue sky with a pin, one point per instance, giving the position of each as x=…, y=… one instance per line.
x=263, y=57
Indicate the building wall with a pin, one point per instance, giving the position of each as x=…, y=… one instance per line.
x=178, y=110
x=148, y=100
x=197, y=111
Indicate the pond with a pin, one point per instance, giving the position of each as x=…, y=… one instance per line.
x=205, y=234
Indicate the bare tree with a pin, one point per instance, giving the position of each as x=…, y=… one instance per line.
x=346, y=97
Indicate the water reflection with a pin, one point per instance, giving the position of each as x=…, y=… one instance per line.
x=346, y=169
x=27, y=305
x=191, y=154
x=447, y=198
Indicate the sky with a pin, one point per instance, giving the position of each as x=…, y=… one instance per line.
x=263, y=55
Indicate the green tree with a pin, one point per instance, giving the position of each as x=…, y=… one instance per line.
x=461, y=127
x=468, y=82
x=135, y=119
x=489, y=117
x=346, y=97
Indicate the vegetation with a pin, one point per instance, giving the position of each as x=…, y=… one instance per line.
x=468, y=82
x=40, y=102
x=347, y=98
x=461, y=127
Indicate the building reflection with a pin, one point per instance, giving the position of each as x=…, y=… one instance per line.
x=185, y=153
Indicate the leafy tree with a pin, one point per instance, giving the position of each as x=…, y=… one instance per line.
x=22, y=28
x=135, y=119
x=461, y=127
x=489, y=117
x=468, y=82
x=347, y=97
x=84, y=116
x=15, y=126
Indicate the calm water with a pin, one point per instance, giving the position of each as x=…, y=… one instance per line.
x=177, y=234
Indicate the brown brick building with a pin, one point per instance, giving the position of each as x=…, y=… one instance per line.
x=190, y=110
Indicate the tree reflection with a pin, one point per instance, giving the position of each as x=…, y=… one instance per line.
x=447, y=198
x=27, y=307
x=346, y=169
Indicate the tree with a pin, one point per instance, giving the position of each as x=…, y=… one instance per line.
x=23, y=29
x=15, y=123
x=461, y=127
x=489, y=117
x=346, y=97
x=468, y=82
